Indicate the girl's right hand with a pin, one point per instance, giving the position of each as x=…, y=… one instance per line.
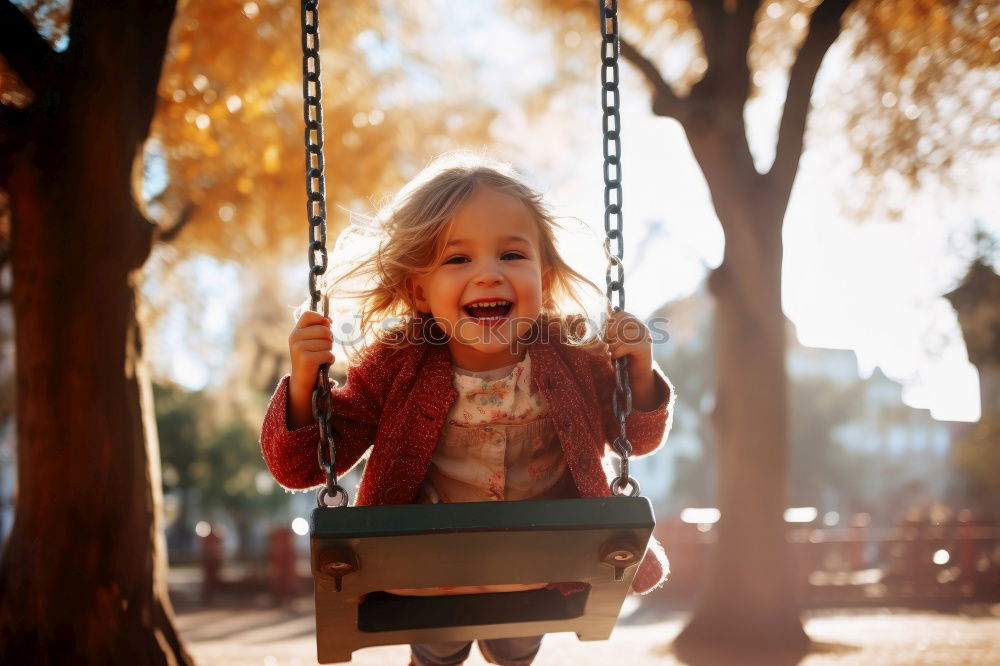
x=310, y=345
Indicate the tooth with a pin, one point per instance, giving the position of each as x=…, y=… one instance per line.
x=488, y=304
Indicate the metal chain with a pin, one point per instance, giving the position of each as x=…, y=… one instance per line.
x=614, y=247
x=312, y=94
x=312, y=111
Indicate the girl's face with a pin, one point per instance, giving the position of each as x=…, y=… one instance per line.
x=486, y=291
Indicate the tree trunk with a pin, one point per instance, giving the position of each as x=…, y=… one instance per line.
x=750, y=600
x=83, y=577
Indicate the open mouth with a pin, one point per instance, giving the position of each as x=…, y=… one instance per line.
x=488, y=311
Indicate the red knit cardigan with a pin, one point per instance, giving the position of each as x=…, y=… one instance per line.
x=396, y=400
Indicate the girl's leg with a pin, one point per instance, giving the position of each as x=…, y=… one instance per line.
x=511, y=651
x=439, y=654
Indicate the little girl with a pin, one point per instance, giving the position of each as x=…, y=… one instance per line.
x=486, y=390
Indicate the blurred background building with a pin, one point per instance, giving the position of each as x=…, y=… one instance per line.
x=856, y=445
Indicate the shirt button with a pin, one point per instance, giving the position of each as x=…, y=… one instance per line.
x=568, y=424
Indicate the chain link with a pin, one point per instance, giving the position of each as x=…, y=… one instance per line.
x=614, y=247
x=312, y=113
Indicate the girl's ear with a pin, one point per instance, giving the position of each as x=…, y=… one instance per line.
x=418, y=297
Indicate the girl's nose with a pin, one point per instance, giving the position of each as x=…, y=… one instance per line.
x=488, y=277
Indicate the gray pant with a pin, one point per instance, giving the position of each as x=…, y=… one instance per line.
x=500, y=651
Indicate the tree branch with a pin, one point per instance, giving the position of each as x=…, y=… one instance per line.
x=824, y=27
x=739, y=27
x=707, y=17
x=745, y=15
x=24, y=49
x=726, y=30
x=665, y=102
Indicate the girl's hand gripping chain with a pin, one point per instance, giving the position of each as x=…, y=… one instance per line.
x=310, y=346
x=626, y=335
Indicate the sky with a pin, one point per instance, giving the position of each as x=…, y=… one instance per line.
x=874, y=288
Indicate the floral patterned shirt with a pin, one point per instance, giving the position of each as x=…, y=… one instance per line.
x=498, y=443
x=496, y=396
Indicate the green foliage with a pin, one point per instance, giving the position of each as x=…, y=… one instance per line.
x=212, y=463
x=177, y=424
x=818, y=461
x=977, y=456
x=229, y=469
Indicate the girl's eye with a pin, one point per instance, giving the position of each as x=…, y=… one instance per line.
x=459, y=259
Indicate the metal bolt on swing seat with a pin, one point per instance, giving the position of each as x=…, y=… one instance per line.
x=335, y=568
x=620, y=555
x=337, y=563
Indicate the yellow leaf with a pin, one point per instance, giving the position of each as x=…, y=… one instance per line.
x=272, y=162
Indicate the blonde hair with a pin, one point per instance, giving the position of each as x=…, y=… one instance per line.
x=414, y=225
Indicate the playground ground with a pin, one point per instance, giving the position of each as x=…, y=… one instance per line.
x=253, y=634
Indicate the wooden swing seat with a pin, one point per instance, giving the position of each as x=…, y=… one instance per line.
x=359, y=552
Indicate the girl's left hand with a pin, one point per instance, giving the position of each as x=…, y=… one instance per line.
x=626, y=335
